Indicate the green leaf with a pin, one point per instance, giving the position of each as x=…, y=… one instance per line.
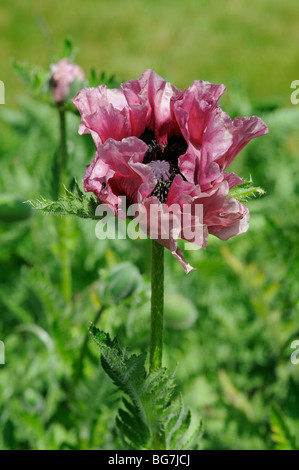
x=74, y=203
x=152, y=406
x=35, y=79
x=68, y=50
x=95, y=80
x=246, y=191
x=281, y=433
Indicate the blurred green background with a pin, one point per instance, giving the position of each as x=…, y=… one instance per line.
x=230, y=324
x=255, y=44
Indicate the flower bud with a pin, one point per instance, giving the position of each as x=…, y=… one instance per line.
x=63, y=74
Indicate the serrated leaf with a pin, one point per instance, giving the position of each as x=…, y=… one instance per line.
x=152, y=407
x=127, y=374
x=75, y=204
x=246, y=191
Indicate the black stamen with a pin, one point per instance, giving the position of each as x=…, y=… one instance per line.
x=169, y=152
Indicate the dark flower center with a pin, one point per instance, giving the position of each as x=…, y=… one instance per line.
x=163, y=160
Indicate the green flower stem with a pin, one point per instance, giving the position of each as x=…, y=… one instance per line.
x=65, y=262
x=157, y=306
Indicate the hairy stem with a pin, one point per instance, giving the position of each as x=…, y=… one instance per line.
x=157, y=305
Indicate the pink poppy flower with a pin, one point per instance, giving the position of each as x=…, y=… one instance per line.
x=63, y=74
x=156, y=144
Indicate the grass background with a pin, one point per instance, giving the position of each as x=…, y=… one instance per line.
x=255, y=44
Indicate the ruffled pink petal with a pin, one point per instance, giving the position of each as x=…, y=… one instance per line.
x=136, y=94
x=232, y=179
x=127, y=112
x=217, y=139
x=96, y=180
x=243, y=129
x=117, y=170
x=164, y=229
x=115, y=118
x=192, y=108
x=223, y=215
x=104, y=114
x=214, y=140
x=160, y=93
x=181, y=192
x=184, y=194
x=205, y=127
x=196, y=167
x=236, y=228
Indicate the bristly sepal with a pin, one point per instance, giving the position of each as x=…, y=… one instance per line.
x=245, y=191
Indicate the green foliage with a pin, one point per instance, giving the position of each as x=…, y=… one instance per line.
x=179, y=311
x=282, y=435
x=152, y=406
x=36, y=79
x=102, y=79
x=12, y=209
x=69, y=51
